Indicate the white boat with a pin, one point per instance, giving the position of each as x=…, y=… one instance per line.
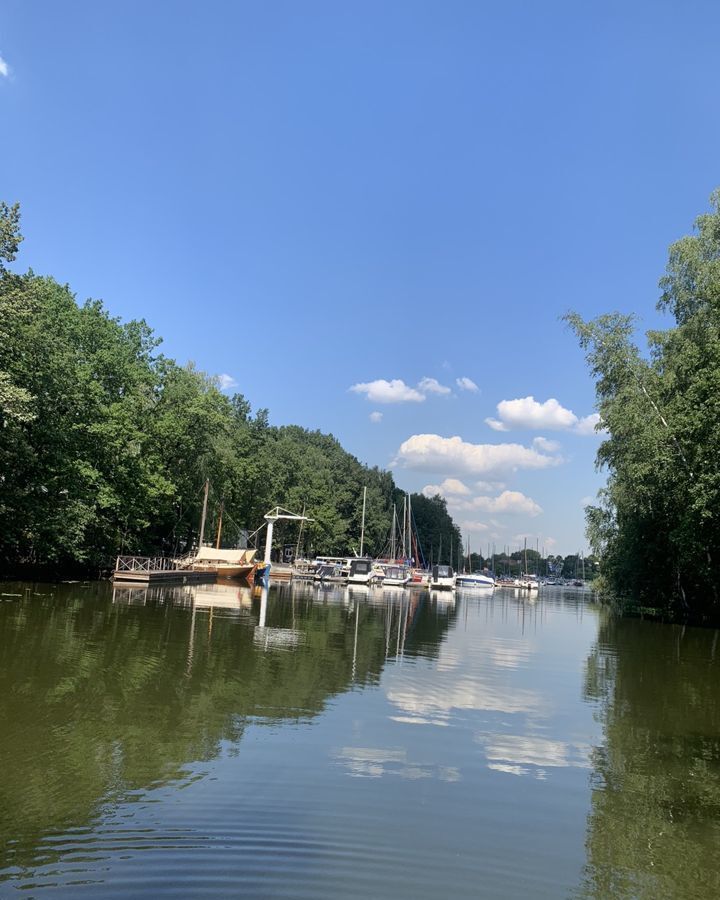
x=396, y=576
x=528, y=582
x=476, y=580
x=442, y=578
x=363, y=571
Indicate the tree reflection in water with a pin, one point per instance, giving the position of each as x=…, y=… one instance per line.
x=101, y=701
x=654, y=827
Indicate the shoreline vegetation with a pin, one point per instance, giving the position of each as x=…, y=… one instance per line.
x=656, y=525
x=105, y=446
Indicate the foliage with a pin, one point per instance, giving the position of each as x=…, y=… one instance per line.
x=105, y=446
x=656, y=526
x=10, y=236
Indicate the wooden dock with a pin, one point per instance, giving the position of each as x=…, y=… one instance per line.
x=158, y=570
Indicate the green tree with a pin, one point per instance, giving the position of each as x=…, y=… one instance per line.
x=656, y=525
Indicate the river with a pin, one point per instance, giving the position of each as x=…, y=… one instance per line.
x=199, y=742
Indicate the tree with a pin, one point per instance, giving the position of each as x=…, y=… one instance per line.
x=656, y=525
x=10, y=236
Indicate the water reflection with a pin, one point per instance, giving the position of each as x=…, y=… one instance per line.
x=654, y=827
x=107, y=692
x=314, y=742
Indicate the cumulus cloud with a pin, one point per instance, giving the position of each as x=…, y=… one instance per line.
x=376, y=417
x=587, y=501
x=432, y=451
x=513, y=502
x=587, y=424
x=496, y=425
x=4, y=68
x=432, y=386
x=382, y=391
x=546, y=446
x=466, y=384
x=226, y=382
x=508, y=502
x=452, y=486
x=527, y=412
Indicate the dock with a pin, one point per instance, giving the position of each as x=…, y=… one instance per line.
x=158, y=570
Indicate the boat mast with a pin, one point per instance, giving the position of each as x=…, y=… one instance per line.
x=219, y=531
x=392, y=536
x=526, y=571
x=300, y=531
x=204, y=513
x=407, y=529
x=402, y=536
x=362, y=528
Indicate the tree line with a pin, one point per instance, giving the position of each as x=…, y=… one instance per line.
x=106, y=444
x=656, y=525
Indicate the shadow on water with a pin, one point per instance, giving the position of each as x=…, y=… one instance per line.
x=106, y=694
x=654, y=826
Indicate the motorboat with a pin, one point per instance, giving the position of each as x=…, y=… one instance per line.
x=364, y=572
x=396, y=576
x=475, y=580
x=442, y=578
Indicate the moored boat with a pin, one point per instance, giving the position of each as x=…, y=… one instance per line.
x=442, y=578
x=396, y=576
x=476, y=580
x=363, y=571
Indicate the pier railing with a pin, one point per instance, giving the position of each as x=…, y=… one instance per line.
x=149, y=564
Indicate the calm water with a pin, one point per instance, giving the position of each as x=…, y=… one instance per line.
x=187, y=742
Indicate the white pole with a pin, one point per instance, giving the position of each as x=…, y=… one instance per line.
x=403, y=526
x=362, y=529
x=268, y=540
x=392, y=539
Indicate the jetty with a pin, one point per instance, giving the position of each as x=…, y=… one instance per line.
x=159, y=570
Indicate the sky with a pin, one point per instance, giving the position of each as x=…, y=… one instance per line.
x=370, y=217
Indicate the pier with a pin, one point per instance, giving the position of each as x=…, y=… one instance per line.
x=159, y=570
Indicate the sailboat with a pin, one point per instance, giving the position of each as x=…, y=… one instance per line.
x=222, y=562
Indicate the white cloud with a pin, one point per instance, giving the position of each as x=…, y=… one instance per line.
x=382, y=391
x=4, y=68
x=527, y=412
x=466, y=384
x=508, y=502
x=587, y=501
x=226, y=382
x=432, y=386
x=543, y=444
x=376, y=417
x=496, y=425
x=449, y=486
x=431, y=451
x=587, y=424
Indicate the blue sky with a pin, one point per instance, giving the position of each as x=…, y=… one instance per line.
x=309, y=196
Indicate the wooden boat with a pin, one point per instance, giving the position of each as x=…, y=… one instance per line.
x=237, y=564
